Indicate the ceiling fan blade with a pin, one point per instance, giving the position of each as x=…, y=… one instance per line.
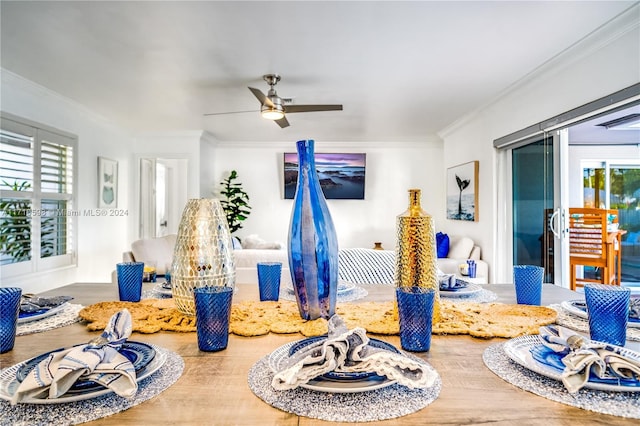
x=311, y=108
x=261, y=97
x=231, y=112
x=282, y=122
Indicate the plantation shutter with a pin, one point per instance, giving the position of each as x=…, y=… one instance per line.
x=56, y=187
x=37, y=211
x=16, y=186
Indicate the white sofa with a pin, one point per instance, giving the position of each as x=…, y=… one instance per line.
x=460, y=249
x=160, y=251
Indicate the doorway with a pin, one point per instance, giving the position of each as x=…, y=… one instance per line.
x=163, y=194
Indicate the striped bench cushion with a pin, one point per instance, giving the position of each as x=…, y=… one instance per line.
x=367, y=266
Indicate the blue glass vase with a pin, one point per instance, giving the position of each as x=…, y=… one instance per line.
x=313, y=246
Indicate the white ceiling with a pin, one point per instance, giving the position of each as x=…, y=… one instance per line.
x=402, y=70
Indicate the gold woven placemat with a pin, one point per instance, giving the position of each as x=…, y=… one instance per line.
x=250, y=318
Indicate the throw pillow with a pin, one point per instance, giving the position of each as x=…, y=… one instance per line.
x=442, y=244
x=254, y=242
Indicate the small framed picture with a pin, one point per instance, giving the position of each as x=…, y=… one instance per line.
x=107, y=183
x=462, y=191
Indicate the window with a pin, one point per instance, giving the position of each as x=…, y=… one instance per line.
x=37, y=197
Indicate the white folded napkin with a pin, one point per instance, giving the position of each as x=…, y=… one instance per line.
x=346, y=350
x=99, y=362
x=583, y=356
x=634, y=308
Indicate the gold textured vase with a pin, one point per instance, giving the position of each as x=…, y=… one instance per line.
x=416, y=259
x=203, y=255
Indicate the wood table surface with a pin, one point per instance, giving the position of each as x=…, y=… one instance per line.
x=213, y=389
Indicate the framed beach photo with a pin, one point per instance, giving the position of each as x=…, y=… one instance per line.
x=341, y=175
x=462, y=191
x=107, y=183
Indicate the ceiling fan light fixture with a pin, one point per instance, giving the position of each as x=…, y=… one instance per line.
x=271, y=113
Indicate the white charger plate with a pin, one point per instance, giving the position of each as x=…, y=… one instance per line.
x=159, y=288
x=45, y=314
x=568, y=306
x=9, y=383
x=519, y=350
x=279, y=358
x=467, y=291
x=343, y=287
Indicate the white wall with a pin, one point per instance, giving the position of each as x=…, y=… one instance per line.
x=391, y=170
x=607, y=61
x=100, y=238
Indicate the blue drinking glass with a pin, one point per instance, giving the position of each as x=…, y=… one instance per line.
x=10, y=307
x=608, y=309
x=528, y=283
x=213, y=312
x=130, y=280
x=415, y=309
x=269, y=280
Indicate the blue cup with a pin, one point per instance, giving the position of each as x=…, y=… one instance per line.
x=130, y=281
x=528, y=282
x=10, y=306
x=415, y=309
x=608, y=310
x=213, y=312
x=269, y=280
x=472, y=269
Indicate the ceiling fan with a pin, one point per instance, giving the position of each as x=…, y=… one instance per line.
x=273, y=107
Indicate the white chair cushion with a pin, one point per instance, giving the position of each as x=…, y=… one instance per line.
x=460, y=247
x=155, y=251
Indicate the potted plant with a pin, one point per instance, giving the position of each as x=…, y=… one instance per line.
x=235, y=203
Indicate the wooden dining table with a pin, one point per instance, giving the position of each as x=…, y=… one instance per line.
x=213, y=388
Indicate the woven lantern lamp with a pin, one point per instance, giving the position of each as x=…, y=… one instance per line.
x=203, y=255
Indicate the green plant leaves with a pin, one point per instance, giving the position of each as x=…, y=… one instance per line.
x=235, y=203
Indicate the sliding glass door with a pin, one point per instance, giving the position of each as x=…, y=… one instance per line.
x=539, y=204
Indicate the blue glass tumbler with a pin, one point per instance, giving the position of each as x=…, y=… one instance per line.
x=130, y=281
x=528, y=283
x=213, y=312
x=10, y=307
x=608, y=309
x=415, y=309
x=269, y=280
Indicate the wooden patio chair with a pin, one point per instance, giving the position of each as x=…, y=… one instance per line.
x=592, y=235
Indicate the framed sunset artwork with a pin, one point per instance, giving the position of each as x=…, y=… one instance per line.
x=342, y=175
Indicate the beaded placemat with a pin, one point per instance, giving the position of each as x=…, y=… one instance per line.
x=621, y=404
x=576, y=323
x=72, y=413
x=382, y=404
x=66, y=316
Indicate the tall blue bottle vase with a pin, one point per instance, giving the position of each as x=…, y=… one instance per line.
x=313, y=245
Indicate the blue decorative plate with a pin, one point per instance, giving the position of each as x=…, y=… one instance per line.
x=139, y=354
x=34, y=315
x=530, y=353
x=341, y=376
x=550, y=358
